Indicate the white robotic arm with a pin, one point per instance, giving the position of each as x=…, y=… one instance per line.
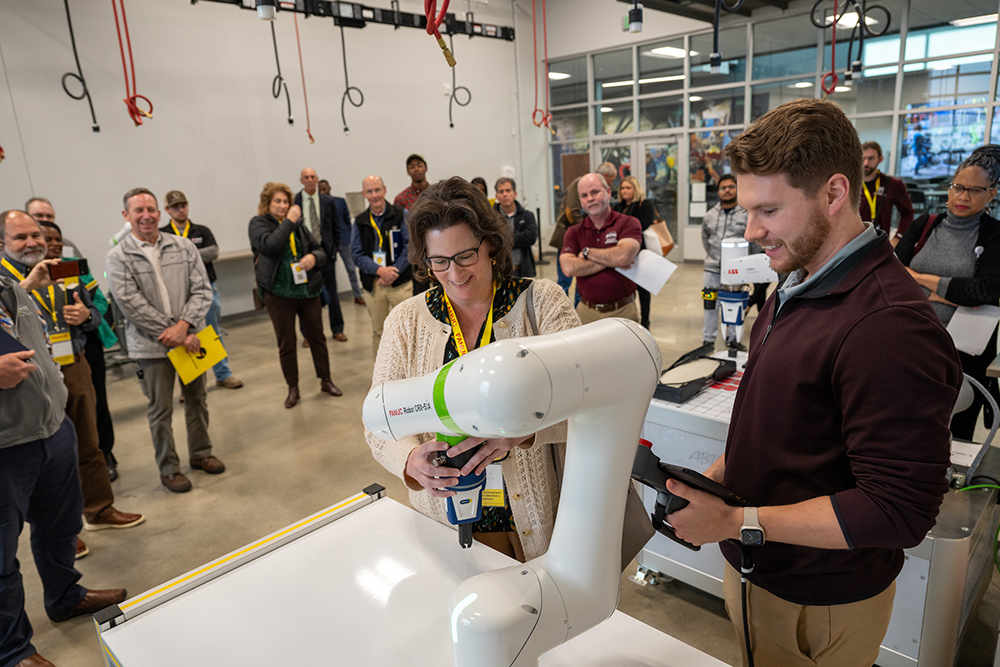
x=600, y=377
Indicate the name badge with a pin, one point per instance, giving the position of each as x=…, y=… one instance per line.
x=62, y=348
x=493, y=495
x=379, y=257
x=298, y=275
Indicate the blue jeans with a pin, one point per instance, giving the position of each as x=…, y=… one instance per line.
x=221, y=369
x=565, y=281
x=40, y=484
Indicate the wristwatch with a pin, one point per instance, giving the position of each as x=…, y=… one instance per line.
x=751, y=532
x=586, y=253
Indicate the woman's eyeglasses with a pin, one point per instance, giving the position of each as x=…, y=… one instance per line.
x=465, y=258
x=961, y=189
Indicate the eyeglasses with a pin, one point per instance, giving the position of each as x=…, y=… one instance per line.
x=973, y=192
x=465, y=258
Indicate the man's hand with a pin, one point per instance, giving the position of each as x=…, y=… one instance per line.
x=39, y=277
x=294, y=213
x=308, y=262
x=192, y=343
x=77, y=312
x=706, y=519
x=176, y=335
x=387, y=275
x=14, y=367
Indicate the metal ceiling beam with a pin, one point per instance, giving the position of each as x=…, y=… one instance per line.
x=700, y=10
x=356, y=15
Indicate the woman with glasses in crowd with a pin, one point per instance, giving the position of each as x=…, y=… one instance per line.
x=463, y=247
x=955, y=257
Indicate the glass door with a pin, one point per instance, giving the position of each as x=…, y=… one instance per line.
x=658, y=178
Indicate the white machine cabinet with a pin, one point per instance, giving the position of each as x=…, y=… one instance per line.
x=943, y=578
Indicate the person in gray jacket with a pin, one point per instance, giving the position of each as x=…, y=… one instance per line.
x=38, y=477
x=724, y=220
x=161, y=285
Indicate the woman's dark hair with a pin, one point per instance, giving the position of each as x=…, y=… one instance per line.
x=456, y=202
x=986, y=158
x=52, y=225
x=479, y=181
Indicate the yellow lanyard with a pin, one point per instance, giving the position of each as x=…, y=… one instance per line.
x=187, y=228
x=457, y=330
x=52, y=293
x=377, y=230
x=873, y=197
x=291, y=242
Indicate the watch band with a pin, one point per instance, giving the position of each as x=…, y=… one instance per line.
x=751, y=532
x=586, y=253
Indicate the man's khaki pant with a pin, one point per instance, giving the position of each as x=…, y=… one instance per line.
x=785, y=634
x=380, y=302
x=587, y=314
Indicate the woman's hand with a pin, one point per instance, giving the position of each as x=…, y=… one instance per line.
x=294, y=213
x=493, y=448
x=435, y=480
x=307, y=262
x=934, y=298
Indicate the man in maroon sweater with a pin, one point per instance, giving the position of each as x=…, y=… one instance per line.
x=842, y=481
x=883, y=192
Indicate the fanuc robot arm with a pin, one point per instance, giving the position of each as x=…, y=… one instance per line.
x=600, y=377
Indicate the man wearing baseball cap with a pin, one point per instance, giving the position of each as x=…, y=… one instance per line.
x=176, y=205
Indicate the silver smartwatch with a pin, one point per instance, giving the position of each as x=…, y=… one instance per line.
x=751, y=532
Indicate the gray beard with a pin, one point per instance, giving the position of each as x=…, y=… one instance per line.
x=28, y=259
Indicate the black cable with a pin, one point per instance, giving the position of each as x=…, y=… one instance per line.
x=279, y=82
x=455, y=88
x=78, y=75
x=746, y=567
x=348, y=87
x=861, y=29
x=715, y=59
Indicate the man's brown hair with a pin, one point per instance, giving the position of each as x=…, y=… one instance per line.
x=457, y=202
x=872, y=146
x=134, y=192
x=807, y=140
x=267, y=194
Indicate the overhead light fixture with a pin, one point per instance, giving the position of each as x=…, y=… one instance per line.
x=695, y=98
x=850, y=20
x=558, y=76
x=617, y=84
x=802, y=84
x=670, y=52
x=842, y=89
x=266, y=9
x=974, y=20
x=654, y=79
x=635, y=18
x=606, y=109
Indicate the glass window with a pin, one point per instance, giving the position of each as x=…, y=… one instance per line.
x=995, y=130
x=869, y=92
x=613, y=75
x=661, y=113
x=568, y=81
x=768, y=96
x=784, y=47
x=880, y=130
x=947, y=82
x=881, y=38
x=732, y=46
x=944, y=29
x=705, y=161
x=933, y=143
x=661, y=67
x=661, y=180
x=570, y=124
x=621, y=158
x=717, y=107
x=568, y=161
x=613, y=118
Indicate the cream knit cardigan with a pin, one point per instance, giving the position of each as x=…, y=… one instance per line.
x=413, y=343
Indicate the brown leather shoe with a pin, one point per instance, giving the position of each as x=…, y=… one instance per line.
x=177, y=482
x=340, y=337
x=305, y=343
x=81, y=549
x=359, y=300
x=34, y=661
x=92, y=603
x=293, y=397
x=329, y=387
x=209, y=464
x=115, y=519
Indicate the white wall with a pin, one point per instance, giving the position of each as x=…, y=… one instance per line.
x=216, y=133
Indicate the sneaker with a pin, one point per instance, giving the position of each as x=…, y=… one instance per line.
x=230, y=382
x=734, y=345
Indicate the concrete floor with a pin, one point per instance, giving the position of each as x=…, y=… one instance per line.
x=286, y=464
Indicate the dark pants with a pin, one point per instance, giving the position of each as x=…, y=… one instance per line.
x=98, y=372
x=644, y=300
x=963, y=425
x=98, y=498
x=39, y=484
x=329, y=271
x=282, y=312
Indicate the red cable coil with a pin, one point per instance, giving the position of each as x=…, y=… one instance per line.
x=539, y=117
x=132, y=97
x=832, y=74
x=434, y=25
x=302, y=69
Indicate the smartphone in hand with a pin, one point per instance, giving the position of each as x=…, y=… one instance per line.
x=68, y=269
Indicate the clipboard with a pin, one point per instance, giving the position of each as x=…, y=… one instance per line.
x=395, y=244
x=192, y=366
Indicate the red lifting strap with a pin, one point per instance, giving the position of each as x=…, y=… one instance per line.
x=131, y=96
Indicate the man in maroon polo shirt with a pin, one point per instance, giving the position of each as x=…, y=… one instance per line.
x=592, y=249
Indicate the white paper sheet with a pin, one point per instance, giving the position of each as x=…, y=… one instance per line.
x=698, y=192
x=697, y=209
x=649, y=271
x=971, y=328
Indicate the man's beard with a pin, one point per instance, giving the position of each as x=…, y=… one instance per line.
x=806, y=247
x=28, y=257
x=870, y=172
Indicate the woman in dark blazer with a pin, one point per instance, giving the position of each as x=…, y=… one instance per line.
x=287, y=258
